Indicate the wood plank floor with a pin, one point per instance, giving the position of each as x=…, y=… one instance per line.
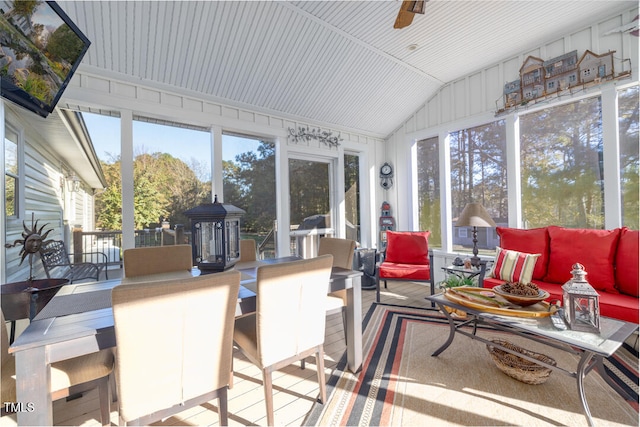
x=295, y=390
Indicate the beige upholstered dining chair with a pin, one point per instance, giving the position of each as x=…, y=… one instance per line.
x=168, y=363
x=248, y=255
x=156, y=260
x=174, y=345
x=289, y=323
x=68, y=377
x=248, y=250
x=342, y=251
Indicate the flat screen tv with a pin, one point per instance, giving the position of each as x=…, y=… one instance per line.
x=40, y=49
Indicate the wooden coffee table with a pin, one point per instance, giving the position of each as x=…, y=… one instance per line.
x=592, y=348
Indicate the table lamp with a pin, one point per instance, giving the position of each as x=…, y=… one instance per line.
x=475, y=215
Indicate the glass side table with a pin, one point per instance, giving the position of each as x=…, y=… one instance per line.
x=468, y=273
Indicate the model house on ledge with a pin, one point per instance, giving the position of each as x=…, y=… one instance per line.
x=539, y=78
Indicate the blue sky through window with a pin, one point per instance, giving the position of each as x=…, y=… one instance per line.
x=185, y=144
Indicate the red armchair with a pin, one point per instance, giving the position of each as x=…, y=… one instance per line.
x=407, y=257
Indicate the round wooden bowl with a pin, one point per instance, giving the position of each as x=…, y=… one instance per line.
x=521, y=300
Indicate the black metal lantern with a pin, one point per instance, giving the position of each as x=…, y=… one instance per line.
x=580, y=302
x=215, y=235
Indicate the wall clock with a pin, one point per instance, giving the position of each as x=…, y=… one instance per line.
x=386, y=176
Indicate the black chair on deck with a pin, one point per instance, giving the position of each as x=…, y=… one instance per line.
x=57, y=263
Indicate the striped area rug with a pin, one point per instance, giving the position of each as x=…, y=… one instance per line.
x=402, y=384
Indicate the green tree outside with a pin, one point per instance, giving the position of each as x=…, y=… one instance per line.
x=250, y=184
x=562, y=171
x=628, y=123
x=24, y=8
x=164, y=187
x=64, y=45
x=428, y=154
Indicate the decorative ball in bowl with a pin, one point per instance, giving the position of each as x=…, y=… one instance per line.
x=521, y=294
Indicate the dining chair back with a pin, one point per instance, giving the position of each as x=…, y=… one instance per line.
x=248, y=250
x=156, y=260
x=68, y=377
x=289, y=324
x=343, y=251
x=174, y=345
x=407, y=257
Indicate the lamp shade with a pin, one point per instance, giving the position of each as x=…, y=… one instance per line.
x=475, y=215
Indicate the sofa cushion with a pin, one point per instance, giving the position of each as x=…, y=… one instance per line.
x=619, y=306
x=627, y=256
x=532, y=241
x=594, y=249
x=615, y=305
x=513, y=266
x=407, y=247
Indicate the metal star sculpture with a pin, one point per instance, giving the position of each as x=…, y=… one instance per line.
x=32, y=242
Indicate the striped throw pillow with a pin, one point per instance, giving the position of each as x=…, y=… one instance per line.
x=513, y=266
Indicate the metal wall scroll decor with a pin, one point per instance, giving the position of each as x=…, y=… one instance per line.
x=304, y=134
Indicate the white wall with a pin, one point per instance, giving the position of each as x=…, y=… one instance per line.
x=41, y=192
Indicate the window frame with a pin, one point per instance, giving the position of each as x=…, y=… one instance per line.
x=438, y=241
x=19, y=177
x=591, y=142
x=257, y=140
x=359, y=192
x=497, y=126
x=513, y=154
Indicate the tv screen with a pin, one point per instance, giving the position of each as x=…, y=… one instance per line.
x=40, y=49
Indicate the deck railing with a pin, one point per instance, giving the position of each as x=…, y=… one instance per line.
x=303, y=243
x=110, y=242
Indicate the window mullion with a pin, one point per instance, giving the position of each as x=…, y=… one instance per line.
x=514, y=184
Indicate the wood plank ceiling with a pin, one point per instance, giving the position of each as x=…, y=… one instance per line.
x=332, y=63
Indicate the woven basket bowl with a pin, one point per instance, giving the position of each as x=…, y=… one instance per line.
x=517, y=367
x=521, y=299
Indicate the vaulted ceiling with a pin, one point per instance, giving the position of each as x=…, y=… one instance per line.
x=332, y=63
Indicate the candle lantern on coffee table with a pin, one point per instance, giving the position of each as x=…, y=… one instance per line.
x=215, y=235
x=581, y=302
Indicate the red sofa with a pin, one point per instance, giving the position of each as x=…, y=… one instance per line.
x=610, y=258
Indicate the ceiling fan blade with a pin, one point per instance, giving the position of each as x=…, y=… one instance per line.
x=418, y=6
x=407, y=10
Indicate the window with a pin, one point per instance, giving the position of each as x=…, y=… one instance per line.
x=310, y=189
x=171, y=171
x=249, y=181
x=105, y=137
x=428, y=153
x=561, y=166
x=11, y=173
x=479, y=174
x=629, y=165
x=352, y=196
